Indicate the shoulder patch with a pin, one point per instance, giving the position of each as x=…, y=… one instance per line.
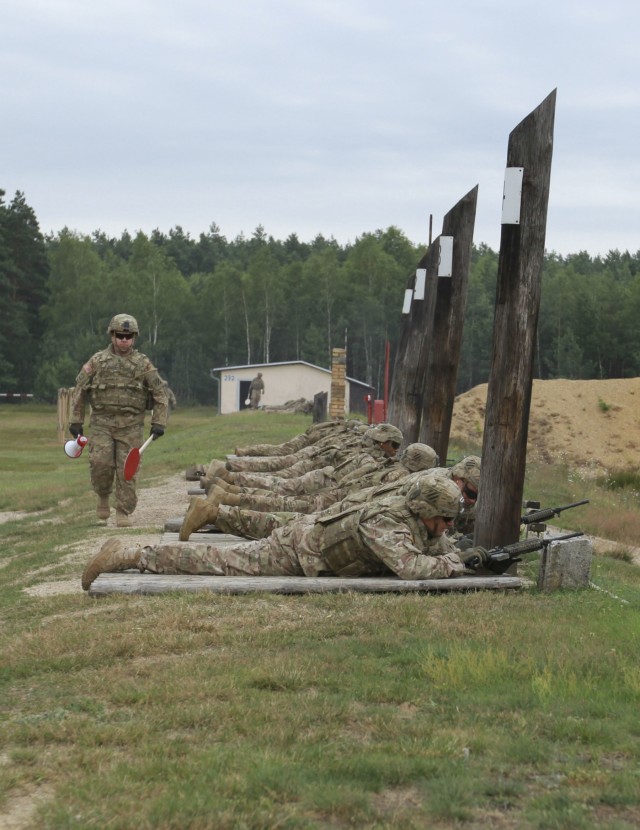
x=88, y=368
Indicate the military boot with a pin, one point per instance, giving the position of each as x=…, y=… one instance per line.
x=217, y=495
x=221, y=484
x=123, y=519
x=232, y=499
x=201, y=512
x=103, y=510
x=216, y=481
x=113, y=556
x=216, y=469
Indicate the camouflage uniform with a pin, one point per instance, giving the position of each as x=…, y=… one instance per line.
x=321, y=451
x=313, y=434
x=117, y=388
x=310, y=482
x=417, y=457
x=257, y=522
x=469, y=471
x=330, y=454
x=378, y=539
x=343, y=454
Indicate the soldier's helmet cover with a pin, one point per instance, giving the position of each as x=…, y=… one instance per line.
x=419, y=457
x=123, y=324
x=384, y=432
x=358, y=428
x=434, y=495
x=469, y=470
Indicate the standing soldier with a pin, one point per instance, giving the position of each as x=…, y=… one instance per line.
x=255, y=391
x=116, y=383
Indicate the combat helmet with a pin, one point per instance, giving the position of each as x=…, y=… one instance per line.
x=418, y=457
x=123, y=323
x=469, y=470
x=434, y=495
x=384, y=432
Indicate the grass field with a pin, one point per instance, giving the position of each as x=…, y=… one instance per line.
x=514, y=710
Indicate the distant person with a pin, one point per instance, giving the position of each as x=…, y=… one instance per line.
x=255, y=391
x=117, y=382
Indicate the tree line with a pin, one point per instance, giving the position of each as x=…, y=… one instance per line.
x=211, y=302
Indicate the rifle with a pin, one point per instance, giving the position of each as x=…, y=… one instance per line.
x=499, y=559
x=549, y=512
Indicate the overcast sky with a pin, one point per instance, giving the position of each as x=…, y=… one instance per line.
x=333, y=117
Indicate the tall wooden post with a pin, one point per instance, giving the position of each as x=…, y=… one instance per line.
x=451, y=304
x=64, y=407
x=515, y=323
x=416, y=333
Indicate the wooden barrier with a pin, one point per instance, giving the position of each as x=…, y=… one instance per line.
x=517, y=305
x=64, y=414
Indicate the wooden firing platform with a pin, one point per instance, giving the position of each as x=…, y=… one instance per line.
x=133, y=582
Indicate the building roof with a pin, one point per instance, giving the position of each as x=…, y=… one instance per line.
x=285, y=363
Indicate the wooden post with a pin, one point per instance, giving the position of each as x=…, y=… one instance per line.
x=416, y=332
x=320, y=407
x=514, y=332
x=451, y=304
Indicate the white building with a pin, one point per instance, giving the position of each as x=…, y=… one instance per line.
x=283, y=382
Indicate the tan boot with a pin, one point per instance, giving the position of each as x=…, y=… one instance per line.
x=103, y=510
x=217, y=468
x=232, y=499
x=201, y=512
x=113, y=556
x=123, y=519
x=221, y=484
x=216, y=481
x=216, y=495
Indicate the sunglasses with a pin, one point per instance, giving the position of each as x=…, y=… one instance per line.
x=120, y=336
x=472, y=495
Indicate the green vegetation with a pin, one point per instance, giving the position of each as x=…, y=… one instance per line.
x=193, y=711
x=212, y=302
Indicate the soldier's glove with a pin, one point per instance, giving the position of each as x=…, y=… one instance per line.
x=464, y=542
x=75, y=429
x=474, y=557
x=157, y=431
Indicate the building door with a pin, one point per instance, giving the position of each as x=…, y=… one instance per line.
x=244, y=393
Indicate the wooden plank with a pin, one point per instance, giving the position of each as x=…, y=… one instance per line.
x=133, y=582
x=202, y=537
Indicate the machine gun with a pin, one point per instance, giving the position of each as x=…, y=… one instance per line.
x=549, y=513
x=499, y=559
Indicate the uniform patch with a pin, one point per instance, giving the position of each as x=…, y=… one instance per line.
x=87, y=368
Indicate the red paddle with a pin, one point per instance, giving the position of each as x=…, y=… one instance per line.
x=132, y=461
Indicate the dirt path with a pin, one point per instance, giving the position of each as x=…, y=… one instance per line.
x=155, y=505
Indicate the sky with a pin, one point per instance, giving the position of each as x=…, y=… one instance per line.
x=307, y=117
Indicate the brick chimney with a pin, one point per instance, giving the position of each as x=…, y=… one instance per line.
x=338, y=383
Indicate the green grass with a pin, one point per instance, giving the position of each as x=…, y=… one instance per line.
x=515, y=710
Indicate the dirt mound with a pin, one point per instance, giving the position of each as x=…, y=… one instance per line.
x=586, y=423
